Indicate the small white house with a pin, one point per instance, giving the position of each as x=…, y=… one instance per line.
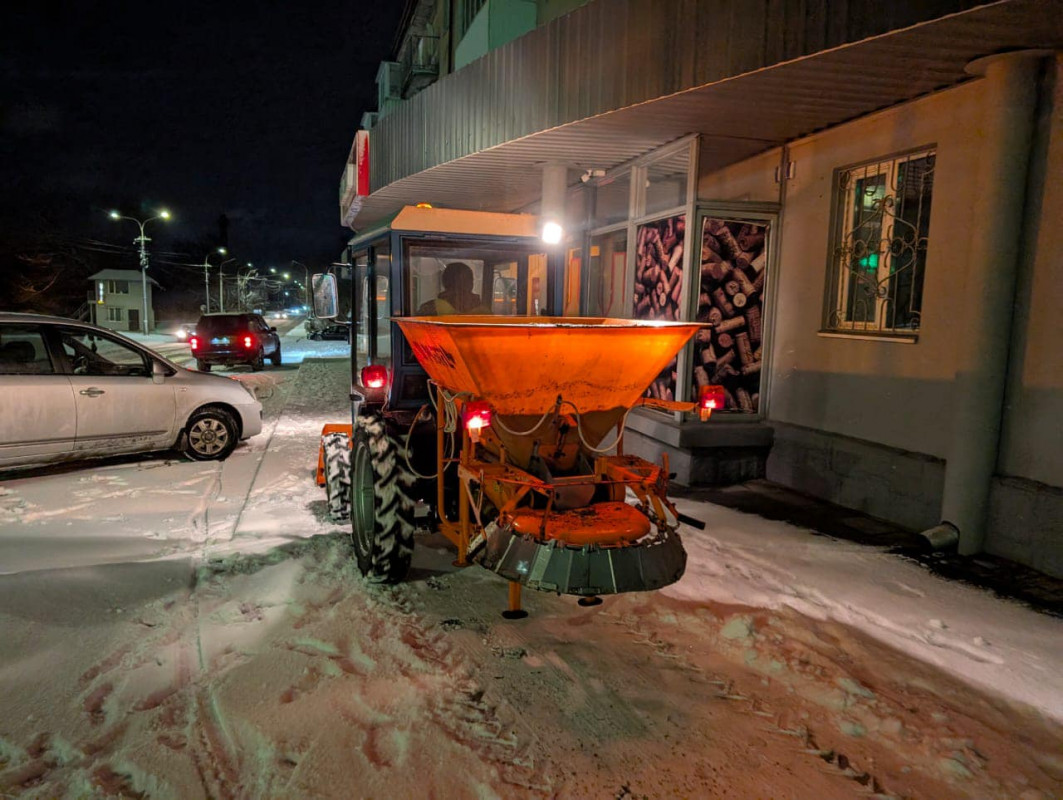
x=117, y=299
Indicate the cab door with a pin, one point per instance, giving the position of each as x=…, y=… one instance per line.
x=120, y=407
x=38, y=418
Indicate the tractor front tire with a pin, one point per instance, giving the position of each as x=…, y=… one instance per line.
x=382, y=520
x=338, y=475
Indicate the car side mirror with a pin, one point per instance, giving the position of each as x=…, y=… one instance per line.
x=326, y=297
x=274, y=330
x=158, y=371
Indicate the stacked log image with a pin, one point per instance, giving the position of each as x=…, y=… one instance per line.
x=659, y=285
x=731, y=297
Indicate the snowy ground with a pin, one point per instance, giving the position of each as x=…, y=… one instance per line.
x=180, y=630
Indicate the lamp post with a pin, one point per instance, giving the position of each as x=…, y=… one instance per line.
x=306, y=279
x=142, y=240
x=206, y=275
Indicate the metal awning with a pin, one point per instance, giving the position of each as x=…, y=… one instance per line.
x=741, y=116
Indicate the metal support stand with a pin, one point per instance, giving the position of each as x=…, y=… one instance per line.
x=514, y=611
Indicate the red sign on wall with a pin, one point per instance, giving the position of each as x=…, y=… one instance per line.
x=361, y=163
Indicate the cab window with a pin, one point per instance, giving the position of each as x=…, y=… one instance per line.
x=469, y=278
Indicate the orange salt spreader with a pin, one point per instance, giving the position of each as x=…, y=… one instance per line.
x=540, y=405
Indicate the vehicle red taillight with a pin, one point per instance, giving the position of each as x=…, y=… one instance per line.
x=375, y=376
x=249, y=342
x=710, y=398
x=476, y=415
x=194, y=342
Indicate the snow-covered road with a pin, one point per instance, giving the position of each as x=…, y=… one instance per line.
x=177, y=629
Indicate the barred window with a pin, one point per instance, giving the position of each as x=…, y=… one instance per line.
x=879, y=258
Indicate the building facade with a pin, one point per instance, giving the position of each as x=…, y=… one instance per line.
x=116, y=300
x=860, y=201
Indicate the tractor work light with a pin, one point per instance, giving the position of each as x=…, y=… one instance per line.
x=374, y=376
x=710, y=398
x=552, y=232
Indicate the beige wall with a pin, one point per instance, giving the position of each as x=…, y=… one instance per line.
x=1032, y=441
x=749, y=181
x=893, y=393
x=881, y=391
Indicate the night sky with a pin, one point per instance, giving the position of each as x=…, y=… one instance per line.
x=241, y=109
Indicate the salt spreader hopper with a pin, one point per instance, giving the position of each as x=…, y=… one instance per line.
x=539, y=404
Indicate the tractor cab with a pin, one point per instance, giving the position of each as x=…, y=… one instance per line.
x=432, y=262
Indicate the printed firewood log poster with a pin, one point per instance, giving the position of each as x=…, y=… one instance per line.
x=659, y=285
x=731, y=300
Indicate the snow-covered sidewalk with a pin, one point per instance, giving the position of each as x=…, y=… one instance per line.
x=999, y=645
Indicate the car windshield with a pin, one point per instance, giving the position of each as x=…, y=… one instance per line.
x=221, y=324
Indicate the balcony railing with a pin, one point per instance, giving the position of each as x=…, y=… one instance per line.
x=420, y=63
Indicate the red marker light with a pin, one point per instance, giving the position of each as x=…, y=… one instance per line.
x=710, y=398
x=476, y=416
x=249, y=342
x=194, y=343
x=375, y=376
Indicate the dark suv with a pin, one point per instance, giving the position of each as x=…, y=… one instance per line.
x=234, y=339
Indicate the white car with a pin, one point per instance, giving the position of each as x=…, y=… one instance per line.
x=69, y=390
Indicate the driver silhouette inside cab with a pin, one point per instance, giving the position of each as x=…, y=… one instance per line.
x=457, y=296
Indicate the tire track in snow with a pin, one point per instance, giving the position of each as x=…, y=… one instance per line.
x=213, y=752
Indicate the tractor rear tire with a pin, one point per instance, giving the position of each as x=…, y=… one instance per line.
x=382, y=521
x=338, y=475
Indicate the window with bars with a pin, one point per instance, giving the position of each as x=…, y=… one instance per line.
x=875, y=280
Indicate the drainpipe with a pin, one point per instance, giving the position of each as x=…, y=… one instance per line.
x=1006, y=133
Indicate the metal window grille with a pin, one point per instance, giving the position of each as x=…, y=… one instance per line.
x=879, y=259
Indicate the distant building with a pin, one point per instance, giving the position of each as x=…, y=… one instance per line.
x=861, y=201
x=116, y=299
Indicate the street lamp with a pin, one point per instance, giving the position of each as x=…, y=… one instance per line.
x=142, y=240
x=206, y=275
x=306, y=271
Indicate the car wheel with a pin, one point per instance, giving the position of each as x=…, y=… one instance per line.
x=381, y=508
x=212, y=434
x=202, y=366
x=275, y=359
x=259, y=363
